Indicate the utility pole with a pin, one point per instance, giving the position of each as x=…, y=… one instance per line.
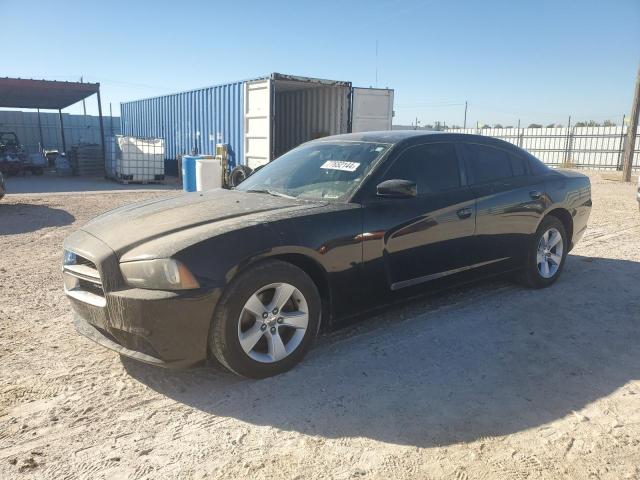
x=465, y=115
x=627, y=159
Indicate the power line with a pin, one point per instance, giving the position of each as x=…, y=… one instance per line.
x=420, y=105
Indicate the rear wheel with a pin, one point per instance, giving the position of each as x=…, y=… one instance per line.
x=546, y=255
x=266, y=320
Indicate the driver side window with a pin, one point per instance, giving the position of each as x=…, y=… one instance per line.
x=434, y=168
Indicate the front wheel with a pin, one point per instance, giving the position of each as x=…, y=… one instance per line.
x=546, y=255
x=266, y=320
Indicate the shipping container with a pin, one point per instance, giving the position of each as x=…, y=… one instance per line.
x=260, y=119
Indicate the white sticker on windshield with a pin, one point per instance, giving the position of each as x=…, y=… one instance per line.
x=340, y=165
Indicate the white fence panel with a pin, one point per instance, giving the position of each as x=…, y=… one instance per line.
x=587, y=147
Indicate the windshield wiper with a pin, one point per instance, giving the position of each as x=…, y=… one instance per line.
x=270, y=192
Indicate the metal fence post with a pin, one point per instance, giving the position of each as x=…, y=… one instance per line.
x=567, y=145
x=621, y=147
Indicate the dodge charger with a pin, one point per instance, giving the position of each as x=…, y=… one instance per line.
x=335, y=227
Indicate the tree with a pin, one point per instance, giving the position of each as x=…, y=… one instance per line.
x=608, y=123
x=590, y=123
x=534, y=125
x=485, y=127
x=497, y=125
x=551, y=125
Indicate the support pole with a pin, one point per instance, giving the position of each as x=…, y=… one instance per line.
x=40, y=130
x=104, y=152
x=627, y=159
x=64, y=143
x=111, y=119
x=84, y=105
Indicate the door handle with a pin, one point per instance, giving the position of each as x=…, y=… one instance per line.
x=464, y=213
x=535, y=195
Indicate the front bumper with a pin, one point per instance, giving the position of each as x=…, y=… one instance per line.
x=163, y=328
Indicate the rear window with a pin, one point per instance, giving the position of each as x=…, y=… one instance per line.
x=518, y=165
x=486, y=164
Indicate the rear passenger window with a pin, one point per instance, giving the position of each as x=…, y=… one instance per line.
x=434, y=167
x=486, y=164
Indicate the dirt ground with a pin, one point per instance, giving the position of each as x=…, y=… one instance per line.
x=489, y=381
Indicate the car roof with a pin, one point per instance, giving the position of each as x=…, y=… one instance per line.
x=383, y=136
x=413, y=137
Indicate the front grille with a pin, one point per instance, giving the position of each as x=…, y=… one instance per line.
x=85, y=261
x=91, y=287
x=83, y=282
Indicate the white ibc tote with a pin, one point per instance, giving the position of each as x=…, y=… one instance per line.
x=208, y=174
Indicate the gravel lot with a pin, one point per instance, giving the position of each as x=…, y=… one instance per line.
x=490, y=381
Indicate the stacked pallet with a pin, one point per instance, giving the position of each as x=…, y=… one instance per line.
x=86, y=159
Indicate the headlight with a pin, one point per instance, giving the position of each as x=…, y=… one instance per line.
x=159, y=274
x=69, y=258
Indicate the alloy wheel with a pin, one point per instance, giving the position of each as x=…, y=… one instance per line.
x=549, y=254
x=273, y=322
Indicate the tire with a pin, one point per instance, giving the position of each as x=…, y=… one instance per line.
x=233, y=320
x=238, y=175
x=534, y=274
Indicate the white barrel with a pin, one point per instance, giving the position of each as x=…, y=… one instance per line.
x=208, y=174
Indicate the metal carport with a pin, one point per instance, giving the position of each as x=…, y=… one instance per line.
x=48, y=95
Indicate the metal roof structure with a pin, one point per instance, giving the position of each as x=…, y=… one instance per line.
x=48, y=95
x=44, y=94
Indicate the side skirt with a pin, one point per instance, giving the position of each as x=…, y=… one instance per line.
x=435, y=276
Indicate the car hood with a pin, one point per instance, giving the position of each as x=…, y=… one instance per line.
x=129, y=226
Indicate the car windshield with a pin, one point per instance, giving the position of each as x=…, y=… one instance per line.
x=317, y=171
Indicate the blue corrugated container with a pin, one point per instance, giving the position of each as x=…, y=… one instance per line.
x=190, y=122
x=259, y=119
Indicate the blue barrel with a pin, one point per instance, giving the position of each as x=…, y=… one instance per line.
x=189, y=173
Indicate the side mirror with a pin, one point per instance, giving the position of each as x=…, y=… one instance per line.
x=397, y=188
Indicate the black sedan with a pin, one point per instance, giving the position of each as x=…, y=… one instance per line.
x=333, y=228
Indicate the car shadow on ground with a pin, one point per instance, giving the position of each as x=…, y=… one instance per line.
x=16, y=218
x=497, y=360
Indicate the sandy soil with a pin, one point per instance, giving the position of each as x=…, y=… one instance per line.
x=491, y=381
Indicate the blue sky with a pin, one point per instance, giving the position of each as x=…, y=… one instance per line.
x=537, y=60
